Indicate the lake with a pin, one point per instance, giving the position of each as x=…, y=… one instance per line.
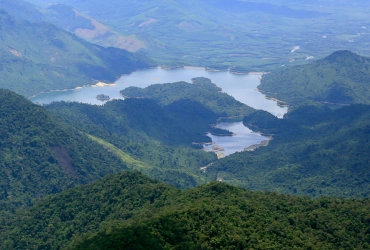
x=241, y=86
x=226, y=145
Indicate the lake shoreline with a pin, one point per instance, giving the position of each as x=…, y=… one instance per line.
x=241, y=87
x=263, y=143
x=103, y=84
x=97, y=84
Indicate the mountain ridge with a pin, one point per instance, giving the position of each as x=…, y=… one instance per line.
x=129, y=210
x=340, y=78
x=38, y=57
x=40, y=156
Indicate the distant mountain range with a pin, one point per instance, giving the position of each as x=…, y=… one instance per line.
x=253, y=35
x=72, y=175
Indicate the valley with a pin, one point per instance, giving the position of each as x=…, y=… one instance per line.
x=241, y=87
x=179, y=124
x=244, y=36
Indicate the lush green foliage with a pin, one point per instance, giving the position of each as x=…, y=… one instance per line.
x=315, y=151
x=160, y=131
x=37, y=57
x=40, y=156
x=54, y=221
x=202, y=91
x=160, y=136
x=130, y=211
x=341, y=78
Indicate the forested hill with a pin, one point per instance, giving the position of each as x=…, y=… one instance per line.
x=341, y=78
x=160, y=137
x=201, y=90
x=38, y=57
x=130, y=211
x=39, y=156
x=315, y=151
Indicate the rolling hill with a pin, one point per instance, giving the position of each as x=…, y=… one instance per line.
x=40, y=156
x=72, y=175
x=341, y=78
x=160, y=137
x=315, y=151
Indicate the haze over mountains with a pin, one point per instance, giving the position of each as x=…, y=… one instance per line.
x=39, y=57
x=254, y=35
x=131, y=173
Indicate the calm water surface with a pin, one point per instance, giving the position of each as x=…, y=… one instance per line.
x=241, y=87
x=230, y=144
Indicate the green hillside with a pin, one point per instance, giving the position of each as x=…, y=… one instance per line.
x=130, y=211
x=340, y=78
x=131, y=174
x=54, y=221
x=315, y=151
x=159, y=136
x=40, y=57
x=39, y=156
x=162, y=127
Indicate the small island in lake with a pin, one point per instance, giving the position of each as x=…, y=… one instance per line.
x=103, y=97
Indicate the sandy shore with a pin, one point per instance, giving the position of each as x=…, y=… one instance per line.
x=103, y=84
x=261, y=144
x=194, y=67
x=257, y=73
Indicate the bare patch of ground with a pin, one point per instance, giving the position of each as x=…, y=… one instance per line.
x=15, y=52
x=104, y=36
x=64, y=160
x=150, y=21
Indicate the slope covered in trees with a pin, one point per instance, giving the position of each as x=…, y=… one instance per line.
x=39, y=156
x=130, y=211
x=39, y=57
x=340, y=78
x=54, y=221
x=315, y=151
x=160, y=136
x=161, y=126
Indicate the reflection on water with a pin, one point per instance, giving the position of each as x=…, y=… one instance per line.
x=242, y=87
